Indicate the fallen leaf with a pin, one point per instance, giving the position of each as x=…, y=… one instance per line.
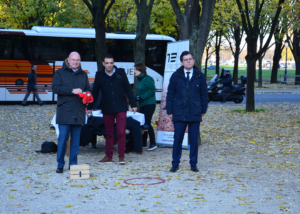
x=241, y=198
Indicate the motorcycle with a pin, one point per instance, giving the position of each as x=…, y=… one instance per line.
x=236, y=93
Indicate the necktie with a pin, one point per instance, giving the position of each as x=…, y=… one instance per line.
x=188, y=76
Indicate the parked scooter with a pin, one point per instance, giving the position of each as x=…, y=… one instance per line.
x=236, y=93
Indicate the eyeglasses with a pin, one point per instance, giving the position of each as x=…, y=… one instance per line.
x=189, y=59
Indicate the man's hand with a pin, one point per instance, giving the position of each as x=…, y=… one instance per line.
x=88, y=112
x=76, y=91
x=134, y=109
x=203, y=115
x=171, y=116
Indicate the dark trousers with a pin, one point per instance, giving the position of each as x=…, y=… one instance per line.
x=148, y=111
x=63, y=136
x=224, y=93
x=109, y=124
x=35, y=94
x=193, y=131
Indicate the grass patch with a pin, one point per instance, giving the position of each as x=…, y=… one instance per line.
x=246, y=111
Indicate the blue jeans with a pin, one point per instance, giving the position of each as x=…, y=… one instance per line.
x=179, y=130
x=63, y=136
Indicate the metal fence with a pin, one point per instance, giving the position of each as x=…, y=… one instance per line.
x=289, y=79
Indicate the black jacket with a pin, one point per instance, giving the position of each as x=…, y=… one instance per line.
x=70, y=109
x=187, y=100
x=135, y=137
x=113, y=92
x=226, y=81
x=31, y=85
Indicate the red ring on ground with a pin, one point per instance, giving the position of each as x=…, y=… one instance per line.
x=161, y=181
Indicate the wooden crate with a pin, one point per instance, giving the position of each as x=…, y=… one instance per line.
x=80, y=171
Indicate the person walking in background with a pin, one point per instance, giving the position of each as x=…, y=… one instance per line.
x=114, y=86
x=187, y=100
x=145, y=95
x=31, y=86
x=67, y=82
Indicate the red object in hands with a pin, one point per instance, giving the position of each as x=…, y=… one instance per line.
x=86, y=97
x=156, y=122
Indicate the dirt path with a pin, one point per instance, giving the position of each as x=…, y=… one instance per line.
x=249, y=163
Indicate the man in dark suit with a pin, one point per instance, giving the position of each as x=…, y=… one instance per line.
x=187, y=100
x=114, y=86
x=31, y=86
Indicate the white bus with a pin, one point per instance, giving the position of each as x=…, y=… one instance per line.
x=48, y=47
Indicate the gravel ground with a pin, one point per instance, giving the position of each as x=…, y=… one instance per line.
x=249, y=163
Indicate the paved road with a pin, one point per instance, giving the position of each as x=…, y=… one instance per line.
x=277, y=98
x=274, y=98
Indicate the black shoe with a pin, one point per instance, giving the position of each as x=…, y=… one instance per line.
x=194, y=168
x=41, y=104
x=59, y=170
x=174, y=168
x=152, y=147
x=24, y=104
x=94, y=146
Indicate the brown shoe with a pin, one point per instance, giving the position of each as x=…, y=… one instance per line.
x=122, y=160
x=105, y=160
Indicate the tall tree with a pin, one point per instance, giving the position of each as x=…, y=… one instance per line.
x=143, y=17
x=99, y=11
x=192, y=27
x=294, y=40
x=251, y=27
x=279, y=45
x=218, y=37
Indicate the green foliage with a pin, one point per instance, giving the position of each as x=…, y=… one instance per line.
x=25, y=14
x=246, y=111
x=122, y=18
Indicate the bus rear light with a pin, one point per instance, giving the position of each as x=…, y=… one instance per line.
x=19, y=89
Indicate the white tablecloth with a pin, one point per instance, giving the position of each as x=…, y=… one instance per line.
x=137, y=116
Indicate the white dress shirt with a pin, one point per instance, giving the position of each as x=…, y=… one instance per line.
x=191, y=73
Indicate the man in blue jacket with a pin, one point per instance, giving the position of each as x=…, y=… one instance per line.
x=187, y=100
x=227, y=84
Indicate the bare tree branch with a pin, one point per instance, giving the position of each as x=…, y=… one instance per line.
x=89, y=5
x=108, y=8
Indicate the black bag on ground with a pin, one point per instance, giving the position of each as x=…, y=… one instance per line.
x=48, y=147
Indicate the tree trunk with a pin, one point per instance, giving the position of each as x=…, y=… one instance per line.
x=261, y=38
x=260, y=72
x=194, y=36
x=203, y=29
x=206, y=60
x=218, y=47
x=237, y=37
x=100, y=46
x=236, y=68
x=296, y=53
x=139, y=43
x=143, y=16
x=276, y=60
x=251, y=70
x=183, y=19
x=99, y=13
